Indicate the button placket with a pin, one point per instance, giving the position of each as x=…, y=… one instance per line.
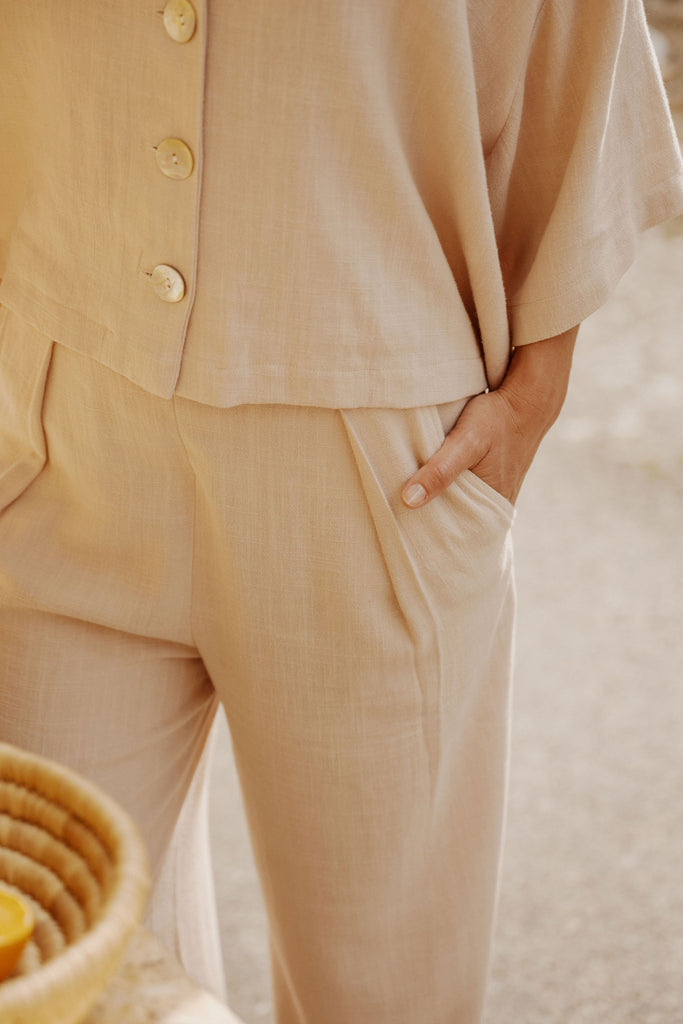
x=173, y=156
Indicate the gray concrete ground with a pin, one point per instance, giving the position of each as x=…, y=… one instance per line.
x=590, y=921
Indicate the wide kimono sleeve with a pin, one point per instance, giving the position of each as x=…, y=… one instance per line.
x=587, y=159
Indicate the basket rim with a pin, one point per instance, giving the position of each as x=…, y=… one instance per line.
x=122, y=910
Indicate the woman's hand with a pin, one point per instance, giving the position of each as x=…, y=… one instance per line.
x=498, y=433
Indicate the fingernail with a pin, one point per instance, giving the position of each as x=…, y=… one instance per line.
x=415, y=495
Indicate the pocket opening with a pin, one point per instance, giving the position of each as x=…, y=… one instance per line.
x=25, y=358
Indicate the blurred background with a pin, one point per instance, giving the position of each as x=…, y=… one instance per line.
x=590, y=920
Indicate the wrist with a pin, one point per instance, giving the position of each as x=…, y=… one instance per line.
x=538, y=375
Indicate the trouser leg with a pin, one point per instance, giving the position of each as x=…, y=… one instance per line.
x=97, y=664
x=362, y=654
x=183, y=904
x=132, y=714
x=361, y=651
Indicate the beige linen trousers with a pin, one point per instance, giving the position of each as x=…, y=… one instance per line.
x=160, y=555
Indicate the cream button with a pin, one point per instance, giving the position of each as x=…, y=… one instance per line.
x=168, y=283
x=179, y=20
x=174, y=158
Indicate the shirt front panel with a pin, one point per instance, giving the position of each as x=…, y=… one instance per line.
x=381, y=198
x=329, y=185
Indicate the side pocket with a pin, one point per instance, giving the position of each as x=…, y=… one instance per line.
x=450, y=562
x=487, y=493
x=25, y=357
x=445, y=417
x=452, y=550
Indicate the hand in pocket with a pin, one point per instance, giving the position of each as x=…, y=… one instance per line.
x=498, y=433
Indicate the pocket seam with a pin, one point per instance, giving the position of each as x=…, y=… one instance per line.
x=490, y=492
x=26, y=432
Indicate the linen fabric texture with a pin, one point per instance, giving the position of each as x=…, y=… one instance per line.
x=361, y=652
x=384, y=198
x=383, y=193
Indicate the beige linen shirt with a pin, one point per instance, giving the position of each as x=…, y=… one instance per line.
x=369, y=201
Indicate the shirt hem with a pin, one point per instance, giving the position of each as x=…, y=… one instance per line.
x=368, y=387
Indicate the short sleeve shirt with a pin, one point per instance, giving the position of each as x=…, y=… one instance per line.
x=385, y=196
x=395, y=193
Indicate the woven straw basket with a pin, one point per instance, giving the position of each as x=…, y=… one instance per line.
x=78, y=859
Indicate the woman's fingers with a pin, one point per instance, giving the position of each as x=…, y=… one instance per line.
x=498, y=432
x=466, y=445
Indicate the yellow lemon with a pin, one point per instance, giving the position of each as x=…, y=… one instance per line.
x=16, y=925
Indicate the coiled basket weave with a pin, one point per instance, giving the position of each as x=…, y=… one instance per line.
x=78, y=859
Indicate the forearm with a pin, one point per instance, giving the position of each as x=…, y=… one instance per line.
x=538, y=374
